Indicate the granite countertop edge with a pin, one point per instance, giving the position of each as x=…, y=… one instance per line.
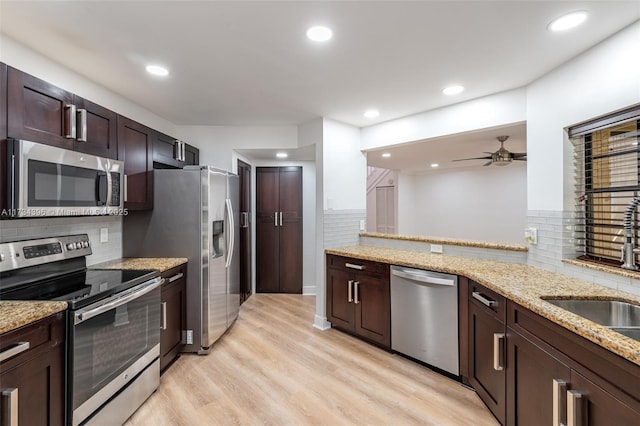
x=161, y=264
x=446, y=241
x=18, y=313
x=524, y=284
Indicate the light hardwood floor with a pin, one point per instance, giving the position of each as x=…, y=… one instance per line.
x=274, y=368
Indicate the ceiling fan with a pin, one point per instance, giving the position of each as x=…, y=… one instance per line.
x=501, y=157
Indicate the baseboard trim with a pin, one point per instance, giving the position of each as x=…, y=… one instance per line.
x=309, y=290
x=321, y=323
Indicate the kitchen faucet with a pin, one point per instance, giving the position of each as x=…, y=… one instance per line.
x=628, y=251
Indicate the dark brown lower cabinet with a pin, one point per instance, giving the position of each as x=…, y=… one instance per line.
x=358, y=298
x=34, y=379
x=532, y=375
x=174, y=318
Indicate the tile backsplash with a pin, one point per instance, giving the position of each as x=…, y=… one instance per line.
x=19, y=229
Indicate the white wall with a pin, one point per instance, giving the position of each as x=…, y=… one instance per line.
x=21, y=57
x=490, y=111
x=480, y=203
x=345, y=167
x=217, y=143
x=603, y=79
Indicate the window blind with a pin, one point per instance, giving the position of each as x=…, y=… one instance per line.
x=607, y=160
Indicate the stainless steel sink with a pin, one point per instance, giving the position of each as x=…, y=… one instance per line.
x=622, y=317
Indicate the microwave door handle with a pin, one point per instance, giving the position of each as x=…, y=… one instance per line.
x=109, y=188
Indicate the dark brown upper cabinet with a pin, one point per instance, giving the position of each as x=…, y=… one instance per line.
x=41, y=112
x=135, y=148
x=171, y=153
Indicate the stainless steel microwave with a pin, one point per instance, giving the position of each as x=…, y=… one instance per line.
x=44, y=181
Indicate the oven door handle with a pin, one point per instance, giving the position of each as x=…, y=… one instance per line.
x=149, y=286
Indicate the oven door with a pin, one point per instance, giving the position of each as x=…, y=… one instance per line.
x=111, y=342
x=50, y=181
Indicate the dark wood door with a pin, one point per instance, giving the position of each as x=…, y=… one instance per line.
x=174, y=305
x=340, y=307
x=165, y=152
x=489, y=383
x=38, y=111
x=279, y=229
x=102, y=127
x=372, y=303
x=530, y=380
x=3, y=137
x=244, y=174
x=135, y=148
x=598, y=407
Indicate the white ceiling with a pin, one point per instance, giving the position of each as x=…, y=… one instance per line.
x=249, y=62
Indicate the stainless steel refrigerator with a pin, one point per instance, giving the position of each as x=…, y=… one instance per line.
x=195, y=215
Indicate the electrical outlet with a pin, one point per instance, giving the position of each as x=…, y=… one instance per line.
x=104, y=235
x=531, y=235
x=436, y=248
x=362, y=225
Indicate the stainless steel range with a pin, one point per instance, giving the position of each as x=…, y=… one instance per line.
x=113, y=333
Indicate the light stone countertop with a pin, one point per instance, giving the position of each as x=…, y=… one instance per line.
x=17, y=313
x=523, y=284
x=141, y=263
x=449, y=241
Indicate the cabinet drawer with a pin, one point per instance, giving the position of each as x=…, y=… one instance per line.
x=359, y=266
x=174, y=274
x=488, y=300
x=41, y=336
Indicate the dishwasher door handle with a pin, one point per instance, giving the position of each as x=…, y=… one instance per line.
x=422, y=277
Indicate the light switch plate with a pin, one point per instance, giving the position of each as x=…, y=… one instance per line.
x=104, y=235
x=362, y=225
x=436, y=248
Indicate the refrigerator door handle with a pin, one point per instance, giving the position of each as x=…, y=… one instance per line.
x=231, y=233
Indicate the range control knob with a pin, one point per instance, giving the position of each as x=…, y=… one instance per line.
x=78, y=245
x=1, y=257
x=71, y=246
x=85, y=244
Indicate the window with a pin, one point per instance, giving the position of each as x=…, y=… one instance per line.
x=607, y=161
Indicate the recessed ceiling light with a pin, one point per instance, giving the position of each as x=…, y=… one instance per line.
x=157, y=70
x=452, y=90
x=282, y=155
x=372, y=113
x=386, y=154
x=434, y=165
x=319, y=33
x=568, y=21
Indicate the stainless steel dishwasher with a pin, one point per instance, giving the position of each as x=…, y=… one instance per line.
x=424, y=317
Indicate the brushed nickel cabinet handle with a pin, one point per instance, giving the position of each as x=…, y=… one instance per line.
x=164, y=316
x=350, y=289
x=125, y=189
x=275, y=219
x=10, y=407
x=483, y=299
x=498, y=339
x=559, y=402
x=14, y=350
x=280, y=218
x=70, y=121
x=575, y=410
x=83, y=125
x=354, y=266
x=176, y=277
x=356, y=288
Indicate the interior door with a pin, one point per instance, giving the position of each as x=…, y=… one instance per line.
x=244, y=238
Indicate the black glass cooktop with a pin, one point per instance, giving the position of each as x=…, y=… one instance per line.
x=80, y=288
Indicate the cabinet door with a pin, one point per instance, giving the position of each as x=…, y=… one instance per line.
x=3, y=137
x=164, y=152
x=37, y=111
x=290, y=256
x=598, y=407
x=101, y=127
x=488, y=381
x=267, y=255
x=340, y=307
x=135, y=149
x=372, y=302
x=191, y=155
x=173, y=315
x=530, y=382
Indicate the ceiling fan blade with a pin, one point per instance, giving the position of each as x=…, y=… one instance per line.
x=488, y=163
x=475, y=158
x=518, y=154
x=520, y=159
